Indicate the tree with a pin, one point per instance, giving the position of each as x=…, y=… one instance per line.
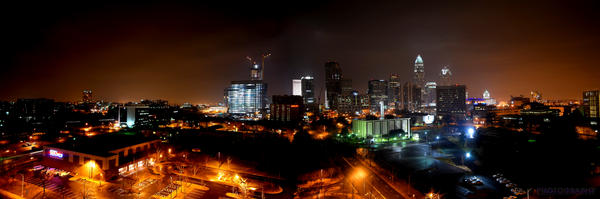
x=393, y=133
x=345, y=132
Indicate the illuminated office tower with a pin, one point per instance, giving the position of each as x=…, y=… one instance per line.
x=296, y=87
x=247, y=97
x=419, y=78
x=333, y=84
x=307, y=90
x=445, y=77
x=488, y=98
x=87, y=96
x=410, y=97
x=591, y=107
x=429, y=98
x=394, y=91
x=451, y=101
x=377, y=93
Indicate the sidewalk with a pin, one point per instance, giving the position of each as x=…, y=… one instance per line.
x=30, y=190
x=7, y=194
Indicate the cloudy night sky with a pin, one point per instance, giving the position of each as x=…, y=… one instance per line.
x=189, y=52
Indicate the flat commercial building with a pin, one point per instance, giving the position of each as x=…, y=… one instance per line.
x=108, y=151
x=378, y=128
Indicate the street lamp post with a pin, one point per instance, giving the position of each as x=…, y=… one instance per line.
x=22, y=183
x=91, y=167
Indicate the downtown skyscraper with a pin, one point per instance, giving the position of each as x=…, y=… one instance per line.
x=591, y=105
x=377, y=93
x=248, y=98
x=445, y=77
x=333, y=84
x=419, y=78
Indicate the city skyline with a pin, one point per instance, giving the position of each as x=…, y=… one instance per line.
x=145, y=55
x=300, y=99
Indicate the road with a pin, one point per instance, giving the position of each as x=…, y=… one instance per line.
x=371, y=183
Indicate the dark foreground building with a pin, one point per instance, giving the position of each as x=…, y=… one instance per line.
x=287, y=108
x=451, y=101
x=111, y=152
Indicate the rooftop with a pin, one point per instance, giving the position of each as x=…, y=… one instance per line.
x=101, y=145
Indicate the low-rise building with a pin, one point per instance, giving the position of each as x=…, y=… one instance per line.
x=110, y=152
x=378, y=128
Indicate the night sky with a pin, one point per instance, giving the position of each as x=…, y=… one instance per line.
x=189, y=52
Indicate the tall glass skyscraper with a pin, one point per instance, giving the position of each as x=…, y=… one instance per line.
x=247, y=97
x=307, y=88
x=377, y=93
x=333, y=86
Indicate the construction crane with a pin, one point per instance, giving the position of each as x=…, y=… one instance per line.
x=264, y=56
x=254, y=69
x=250, y=60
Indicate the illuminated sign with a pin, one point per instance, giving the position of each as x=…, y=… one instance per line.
x=295, y=106
x=55, y=153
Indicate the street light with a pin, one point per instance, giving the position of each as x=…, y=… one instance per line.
x=23, y=183
x=92, y=166
x=360, y=174
x=470, y=133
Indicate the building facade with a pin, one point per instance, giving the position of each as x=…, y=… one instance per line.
x=333, y=84
x=451, y=101
x=379, y=128
x=419, y=71
x=410, y=99
x=247, y=97
x=297, y=87
x=137, y=115
x=377, y=93
x=286, y=108
x=87, y=96
x=591, y=107
x=107, y=151
x=308, y=92
x=393, y=92
x=429, y=98
x=354, y=103
x=445, y=77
